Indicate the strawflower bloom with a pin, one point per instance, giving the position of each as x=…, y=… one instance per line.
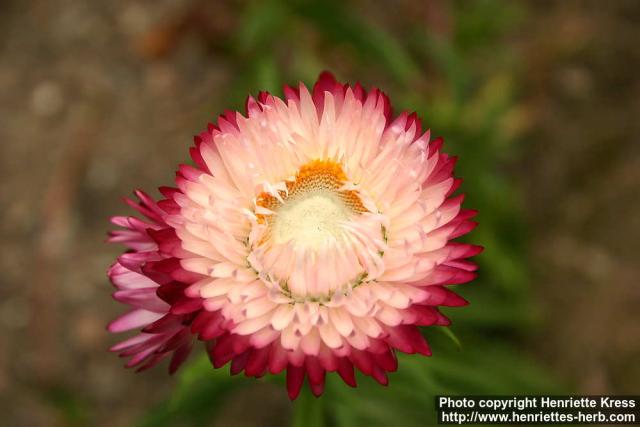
x=313, y=235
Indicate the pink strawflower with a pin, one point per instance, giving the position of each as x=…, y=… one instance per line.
x=313, y=235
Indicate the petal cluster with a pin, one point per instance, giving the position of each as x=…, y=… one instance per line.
x=314, y=234
x=150, y=280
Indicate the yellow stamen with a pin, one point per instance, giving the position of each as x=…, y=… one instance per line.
x=313, y=176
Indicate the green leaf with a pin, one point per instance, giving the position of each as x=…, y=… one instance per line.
x=261, y=24
x=369, y=42
x=449, y=334
x=308, y=411
x=201, y=391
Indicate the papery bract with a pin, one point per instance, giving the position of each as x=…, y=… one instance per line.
x=313, y=235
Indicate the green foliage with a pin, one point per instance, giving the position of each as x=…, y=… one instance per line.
x=369, y=43
x=72, y=409
x=200, y=393
x=409, y=400
x=469, y=96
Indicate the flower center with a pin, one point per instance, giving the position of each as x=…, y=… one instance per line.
x=310, y=211
x=315, y=240
x=311, y=219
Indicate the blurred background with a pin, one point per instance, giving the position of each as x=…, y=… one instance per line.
x=540, y=99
